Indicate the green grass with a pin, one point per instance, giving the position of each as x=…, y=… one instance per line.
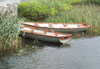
x=89, y=14
x=42, y=9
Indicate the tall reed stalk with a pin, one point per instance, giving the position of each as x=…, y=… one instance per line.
x=89, y=14
x=9, y=32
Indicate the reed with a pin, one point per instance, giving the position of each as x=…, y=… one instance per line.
x=9, y=32
x=9, y=27
x=89, y=14
x=10, y=47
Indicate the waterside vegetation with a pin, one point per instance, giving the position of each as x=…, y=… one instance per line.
x=42, y=9
x=60, y=11
x=80, y=14
x=63, y=11
x=9, y=33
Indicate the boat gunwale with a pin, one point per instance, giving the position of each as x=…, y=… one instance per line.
x=85, y=26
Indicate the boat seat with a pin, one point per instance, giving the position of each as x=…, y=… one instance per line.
x=64, y=25
x=50, y=25
x=36, y=24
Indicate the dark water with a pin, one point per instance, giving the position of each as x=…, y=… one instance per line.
x=82, y=53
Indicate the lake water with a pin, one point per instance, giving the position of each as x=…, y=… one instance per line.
x=82, y=53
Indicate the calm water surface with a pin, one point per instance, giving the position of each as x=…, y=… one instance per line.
x=82, y=53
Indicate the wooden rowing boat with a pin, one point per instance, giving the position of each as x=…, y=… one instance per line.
x=59, y=27
x=45, y=35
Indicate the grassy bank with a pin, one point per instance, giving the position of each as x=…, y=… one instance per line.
x=42, y=9
x=89, y=14
x=65, y=11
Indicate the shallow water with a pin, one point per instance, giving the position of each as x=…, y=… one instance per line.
x=82, y=53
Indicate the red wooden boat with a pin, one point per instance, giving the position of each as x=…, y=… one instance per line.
x=59, y=27
x=45, y=35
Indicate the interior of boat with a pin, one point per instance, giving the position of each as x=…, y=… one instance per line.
x=42, y=32
x=54, y=25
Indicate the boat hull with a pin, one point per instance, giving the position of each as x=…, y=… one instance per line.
x=59, y=27
x=44, y=38
x=65, y=30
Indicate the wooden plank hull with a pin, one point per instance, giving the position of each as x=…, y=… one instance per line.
x=45, y=35
x=45, y=38
x=59, y=27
